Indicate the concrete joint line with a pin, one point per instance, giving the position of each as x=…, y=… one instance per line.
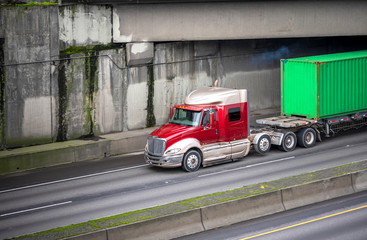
x=74, y=150
x=351, y=180
x=281, y=199
x=201, y=218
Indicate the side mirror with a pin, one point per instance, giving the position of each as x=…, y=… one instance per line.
x=171, y=113
x=211, y=119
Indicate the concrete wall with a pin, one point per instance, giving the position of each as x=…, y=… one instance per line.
x=2, y=77
x=137, y=94
x=83, y=25
x=238, y=20
x=92, y=93
x=74, y=117
x=236, y=64
x=46, y=100
x=182, y=74
x=31, y=36
x=111, y=92
x=2, y=91
x=140, y=85
x=2, y=22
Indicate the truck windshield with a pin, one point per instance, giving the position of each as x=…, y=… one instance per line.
x=185, y=117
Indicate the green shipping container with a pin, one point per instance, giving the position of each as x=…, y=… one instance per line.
x=324, y=86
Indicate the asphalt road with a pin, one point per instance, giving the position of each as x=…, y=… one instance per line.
x=47, y=198
x=337, y=219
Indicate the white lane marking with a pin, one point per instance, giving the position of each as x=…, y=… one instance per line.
x=249, y=166
x=35, y=209
x=73, y=178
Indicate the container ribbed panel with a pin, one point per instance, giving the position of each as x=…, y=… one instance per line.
x=325, y=86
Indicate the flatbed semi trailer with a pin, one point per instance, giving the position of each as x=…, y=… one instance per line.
x=327, y=93
x=320, y=95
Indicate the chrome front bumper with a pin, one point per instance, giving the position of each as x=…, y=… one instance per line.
x=170, y=161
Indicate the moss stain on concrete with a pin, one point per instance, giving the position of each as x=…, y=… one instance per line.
x=83, y=49
x=30, y=4
x=90, y=84
x=2, y=96
x=63, y=102
x=90, y=87
x=150, y=121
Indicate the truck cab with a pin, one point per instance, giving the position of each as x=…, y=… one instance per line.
x=211, y=126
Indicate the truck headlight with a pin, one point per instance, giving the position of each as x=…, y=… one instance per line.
x=173, y=151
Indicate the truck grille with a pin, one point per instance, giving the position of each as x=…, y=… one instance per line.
x=156, y=145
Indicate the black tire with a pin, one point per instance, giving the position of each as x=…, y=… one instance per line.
x=306, y=137
x=289, y=142
x=263, y=144
x=191, y=161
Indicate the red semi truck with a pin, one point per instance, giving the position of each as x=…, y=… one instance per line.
x=212, y=126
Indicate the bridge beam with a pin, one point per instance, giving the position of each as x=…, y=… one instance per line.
x=238, y=20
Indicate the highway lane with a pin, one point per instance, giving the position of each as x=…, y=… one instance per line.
x=337, y=219
x=43, y=199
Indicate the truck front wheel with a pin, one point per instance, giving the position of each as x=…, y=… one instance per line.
x=191, y=161
x=306, y=137
x=289, y=142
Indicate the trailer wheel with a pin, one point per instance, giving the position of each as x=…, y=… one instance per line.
x=191, y=161
x=306, y=137
x=289, y=142
x=263, y=144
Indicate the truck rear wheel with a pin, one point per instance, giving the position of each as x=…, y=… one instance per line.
x=306, y=137
x=289, y=142
x=191, y=161
x=263, y=144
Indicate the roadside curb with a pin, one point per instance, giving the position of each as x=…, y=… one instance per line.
x=170, y=226
x=319, y=191
x=220, y=209
x=240, y=210
x=27, y=158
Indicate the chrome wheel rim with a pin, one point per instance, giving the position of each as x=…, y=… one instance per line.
x=289, y=141
x=309, y=138
x=192, y=161
x=264, y=144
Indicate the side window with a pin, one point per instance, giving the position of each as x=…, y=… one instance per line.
x=234, y=114
x=206, y=118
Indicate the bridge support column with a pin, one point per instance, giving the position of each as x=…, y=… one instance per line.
x=140, y=85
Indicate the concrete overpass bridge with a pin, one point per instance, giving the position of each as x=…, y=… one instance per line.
x=90, y=67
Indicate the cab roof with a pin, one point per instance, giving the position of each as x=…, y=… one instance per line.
x=216, y=96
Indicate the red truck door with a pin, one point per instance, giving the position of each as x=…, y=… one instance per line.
x=208, y=134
